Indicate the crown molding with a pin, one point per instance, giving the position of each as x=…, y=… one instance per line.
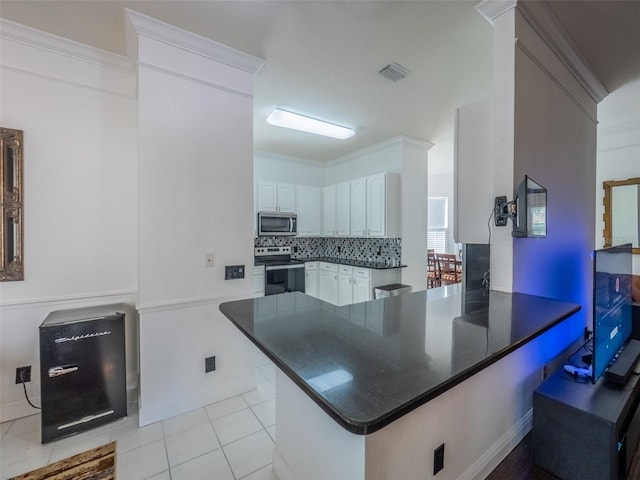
x=63, y=46
x=287, y=158
x=384, y=144
x=139, y=24
x=547, y=26
x=492, y=9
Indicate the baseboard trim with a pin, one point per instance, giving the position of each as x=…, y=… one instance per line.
x=482, y=467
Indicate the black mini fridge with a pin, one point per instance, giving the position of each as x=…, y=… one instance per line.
x=82, y=369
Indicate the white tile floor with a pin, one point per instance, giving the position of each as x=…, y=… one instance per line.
x=229, y=440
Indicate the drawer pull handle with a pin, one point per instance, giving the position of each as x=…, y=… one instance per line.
x=62, y=370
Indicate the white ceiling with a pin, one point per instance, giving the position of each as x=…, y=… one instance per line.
x=322, y=57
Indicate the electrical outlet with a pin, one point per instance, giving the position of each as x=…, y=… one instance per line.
x=208, y=259
x=23, y=374
x=233, y=272
x=209, y=364
x=438, y=459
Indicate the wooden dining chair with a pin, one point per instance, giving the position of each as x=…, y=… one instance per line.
x=433, y=269
x=450, y=269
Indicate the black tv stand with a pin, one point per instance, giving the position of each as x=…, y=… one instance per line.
x=585, y=431
x=621, y=369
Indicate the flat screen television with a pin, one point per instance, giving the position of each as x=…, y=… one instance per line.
x=612, y=323
x=530, y=218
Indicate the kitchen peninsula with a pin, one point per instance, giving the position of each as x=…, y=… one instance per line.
x=370, y=390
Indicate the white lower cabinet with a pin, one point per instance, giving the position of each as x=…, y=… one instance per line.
x=347, y=285
x=311, y=278
x=328, y=282
x=258, y=281
x=354, y=285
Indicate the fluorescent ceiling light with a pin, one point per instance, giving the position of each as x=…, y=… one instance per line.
x=282, y=118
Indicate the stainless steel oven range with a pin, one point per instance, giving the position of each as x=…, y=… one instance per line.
x=281, y=273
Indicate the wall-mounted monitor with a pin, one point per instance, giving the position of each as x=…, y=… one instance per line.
x=528, y=211
x=531, y=210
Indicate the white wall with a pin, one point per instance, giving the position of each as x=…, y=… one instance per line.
x=545, y=127
x=195, y=178
x=299, y=171
x=618, y=147
x=381, y=157
x=414, y=193
x=555, y=144
x=440, y=172
x=76, y=107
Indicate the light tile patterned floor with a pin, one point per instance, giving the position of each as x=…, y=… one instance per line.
x=229, y=440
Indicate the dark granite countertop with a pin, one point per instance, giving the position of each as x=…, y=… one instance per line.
x=352, y=263
x=370, y=363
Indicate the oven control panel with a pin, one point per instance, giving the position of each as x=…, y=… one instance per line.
x=264, y=251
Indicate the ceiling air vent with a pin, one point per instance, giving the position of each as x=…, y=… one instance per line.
x=394, y=72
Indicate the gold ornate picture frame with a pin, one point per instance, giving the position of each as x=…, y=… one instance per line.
x=11, y=206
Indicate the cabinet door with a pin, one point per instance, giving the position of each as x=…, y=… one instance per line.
x=376, y=205
x=311, y=281
x=329, y=214
x=343, y=209
x=286, y=198
x=267, y=196
x=328, y=286
x=345, y=289
x=308, y=204
x=258, y=281
x=362, y=291
x=359, y=207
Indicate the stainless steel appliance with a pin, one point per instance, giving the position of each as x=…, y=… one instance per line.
x=277, y=224
x=391, y=290
x=82, y=369
x=281, y=273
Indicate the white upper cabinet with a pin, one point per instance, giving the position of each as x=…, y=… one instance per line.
x=473, y=172
x=267, y=197
x=329, y=204
x=308, y=201
x=364, y=207
x=359, y=207
x=376, y=205
x=276, y=197
x=337, y=215
x=343, y=209
x=286, y=197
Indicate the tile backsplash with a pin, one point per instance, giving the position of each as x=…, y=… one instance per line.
x=365, y=249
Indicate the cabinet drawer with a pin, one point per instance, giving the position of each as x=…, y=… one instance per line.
x=329, y=267
x=311, y=266
x=362, y=272
x=346, y=269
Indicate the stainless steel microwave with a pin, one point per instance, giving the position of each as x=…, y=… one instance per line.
x=272, y=224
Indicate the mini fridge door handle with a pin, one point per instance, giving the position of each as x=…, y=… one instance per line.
x=62, y=370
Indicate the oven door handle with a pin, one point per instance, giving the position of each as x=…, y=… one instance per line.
x=283, y=267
